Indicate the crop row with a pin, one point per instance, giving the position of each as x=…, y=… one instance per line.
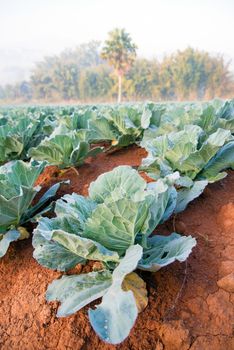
x=188, y=145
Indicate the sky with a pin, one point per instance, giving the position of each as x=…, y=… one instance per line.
x=31, y=29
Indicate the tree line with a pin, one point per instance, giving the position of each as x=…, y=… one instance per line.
x=89, y=73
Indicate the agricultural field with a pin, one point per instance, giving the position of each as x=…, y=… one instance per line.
x=116, y=226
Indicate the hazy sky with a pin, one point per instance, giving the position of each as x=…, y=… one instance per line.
x=157, y=26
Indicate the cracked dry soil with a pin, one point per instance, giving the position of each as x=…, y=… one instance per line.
x=190, y=304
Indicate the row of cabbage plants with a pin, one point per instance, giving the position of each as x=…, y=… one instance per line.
x=115, y=226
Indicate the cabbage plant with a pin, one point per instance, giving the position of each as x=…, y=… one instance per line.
x=175, y=116
x=123, y=125
x=17, y=136
x=17, y=192
x=113, y=226
x=65, y=148
x=200, y=159
x=226, y=115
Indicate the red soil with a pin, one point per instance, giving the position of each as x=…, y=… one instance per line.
x=190, y=304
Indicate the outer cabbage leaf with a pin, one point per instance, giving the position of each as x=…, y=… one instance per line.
x=12, y=209
x=226, y=116
x=6, y=239
x=101, y=130
x=52, y=255
x=17, y=174
x=113, y=319
x=156, y=147
x=163, y=251
x=223, y=159
x=197, y=160
x=123, y=141
x=227, y=110
x=58, y=244
x=164, y=202
x=37, y=209
x=151, y=116
x=77, y=207
x=136, y=284
x=83, y=247
x=21, y=173
x=208, y=120
x=188, y=194
x=76, y=291
x=10, y=147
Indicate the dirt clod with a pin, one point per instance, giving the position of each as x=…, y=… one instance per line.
x=175, y=336
x=227, y=283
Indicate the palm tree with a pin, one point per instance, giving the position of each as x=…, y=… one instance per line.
x=120, y=52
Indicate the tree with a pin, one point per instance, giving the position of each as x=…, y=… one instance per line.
x=57, y=77
x=120, y=52
x=198, y=75
x=95, y=83
x=81, y=73
x=141, y=80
